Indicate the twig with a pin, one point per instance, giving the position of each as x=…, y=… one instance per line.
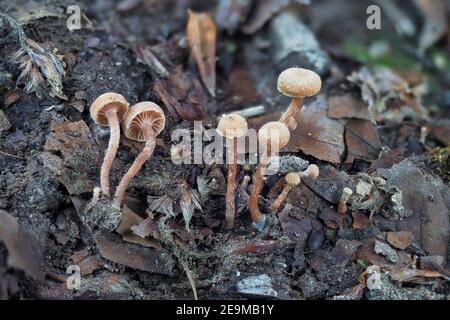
x=12, y=155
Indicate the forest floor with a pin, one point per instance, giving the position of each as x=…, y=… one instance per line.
x=379, y=126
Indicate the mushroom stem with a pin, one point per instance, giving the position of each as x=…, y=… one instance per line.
x=342, y=207
x=231, y=185
x=257, y=216
x=276, y=205
x=114, y=140
x=288, y=116
x=145, y=154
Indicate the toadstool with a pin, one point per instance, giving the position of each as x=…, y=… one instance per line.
x=297, y=83
x=311, y=172
x=346, y=193
x=292, y=179
x=108, y=110
x=143, y=122
x=271, y=136
x=231, y=127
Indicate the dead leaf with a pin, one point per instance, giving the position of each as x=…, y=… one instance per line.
x=112, y=248
x=201, y=35
x=426, y=212
x=330, y=183
x=129, y=220
x=146, y=56
x=183, y=96
x=362, y=140
x=24, y=251
x=347, y=106
x=147, y=228
x=88, y=263
x=367, y=254
x=388, y=158
x=435, y=27
x=332, y=218
x=11, y=97
x=400, y=240
x=408, y=274
x=80, y=158
x=360, y=220
x=241, y=89
x=316, y=134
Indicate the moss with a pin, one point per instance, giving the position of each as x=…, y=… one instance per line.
x=440, y=158
x=388, y=56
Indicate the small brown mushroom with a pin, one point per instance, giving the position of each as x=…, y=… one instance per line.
x=143, y=122
x=297, y=83
x=311, y=172
x=342, y=207
x=272, y=136
x=108, y=110
x=231, y=127
x=292, y=179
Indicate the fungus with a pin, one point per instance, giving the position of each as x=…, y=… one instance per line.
x=271, y=136
x=143, y=122
x=297, y=83
x=342, y=207
x=231, y=127
x=311, y=172
x=108, y=110
x=292, y=179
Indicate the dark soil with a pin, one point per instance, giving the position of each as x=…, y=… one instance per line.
x=51, y=153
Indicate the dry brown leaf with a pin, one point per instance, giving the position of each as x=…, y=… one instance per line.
x=400, y=240
x=112, y=248
x=88, y=263
x=183, y=95
x=201, y=35
x=24, y=252
x=347, y=106
x=362, y=140
x=129, y=220
x=316, y=134
x=408, y=274
x=360, y=220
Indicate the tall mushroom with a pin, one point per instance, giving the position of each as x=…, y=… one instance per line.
x=272, y=136
x=231, y=127
x=108, y=110
x=297, y=83
x=143, y=122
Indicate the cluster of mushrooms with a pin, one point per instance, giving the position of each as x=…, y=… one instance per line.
x=142, y=122
x=296, y=83
x=145, y=120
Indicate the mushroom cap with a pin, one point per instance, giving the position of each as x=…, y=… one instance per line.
x=274, y=133
x=292, y=178
x=141, y=115
x=347, y=191
x=106, y=102
x=299, y=82
x=232, y=126
x=312, y=171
